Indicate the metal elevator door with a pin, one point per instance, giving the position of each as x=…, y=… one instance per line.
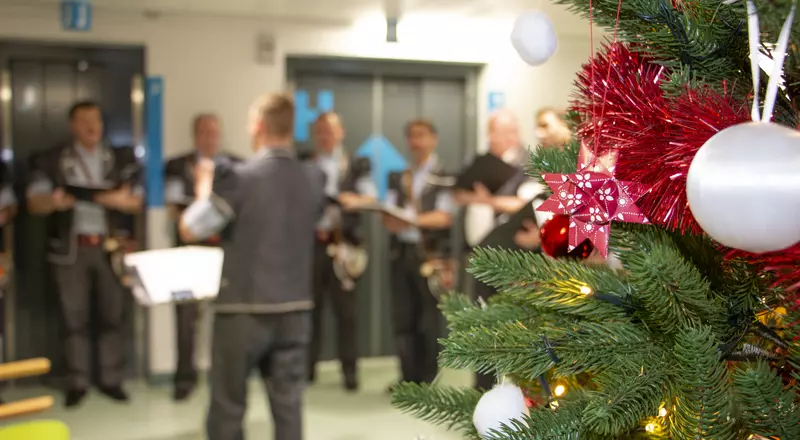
x=375, y=104
x=45, y=81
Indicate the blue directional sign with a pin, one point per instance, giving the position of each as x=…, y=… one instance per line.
x=76, y=15
x=305, y=115
x=384, y=159
x=497, y=100
x=154, y=120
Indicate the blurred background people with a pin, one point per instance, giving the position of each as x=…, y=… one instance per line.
x=424, y=234
x=551, y=128
x=263, y=311
x=179, y=193
x=505, y=144
x=552, y=131
x=348, y=183
x=83, y=234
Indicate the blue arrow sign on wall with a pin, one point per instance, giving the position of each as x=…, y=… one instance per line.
x=305, y=115
x=384, y=159
x=76, y=15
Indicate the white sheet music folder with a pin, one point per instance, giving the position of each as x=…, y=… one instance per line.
x=163, y=276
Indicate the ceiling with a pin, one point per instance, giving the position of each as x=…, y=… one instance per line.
x=333, y=11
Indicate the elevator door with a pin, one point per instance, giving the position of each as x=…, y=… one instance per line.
x=374, y=104
x=45, y=82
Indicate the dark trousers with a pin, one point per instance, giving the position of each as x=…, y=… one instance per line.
x=484, y=381
x=416, y=317
x=276, y=344
x=186, y=317
x=75, y=289
x=328, y=288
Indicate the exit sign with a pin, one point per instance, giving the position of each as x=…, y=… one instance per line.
x=76, y=15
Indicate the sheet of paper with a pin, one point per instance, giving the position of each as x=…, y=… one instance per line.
x=162, y=276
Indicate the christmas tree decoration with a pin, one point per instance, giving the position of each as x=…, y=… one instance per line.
x=750, y=169
x=555, y=240
x=592, y=197
x=534, y=37
x=642, y=125
x=503, y=405
x=743, y=187
x=690, y=339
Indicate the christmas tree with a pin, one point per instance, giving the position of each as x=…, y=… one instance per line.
x=693, y=338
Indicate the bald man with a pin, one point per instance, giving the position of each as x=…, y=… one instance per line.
x=179, y=192
x=518, y=191
x=348, y=184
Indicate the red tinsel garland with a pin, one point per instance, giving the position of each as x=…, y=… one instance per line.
x=624, y=108
x=783, y=265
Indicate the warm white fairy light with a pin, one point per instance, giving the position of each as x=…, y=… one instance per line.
x=586, y=290
x=651, y=427
x=560, y=390
x=662, y=412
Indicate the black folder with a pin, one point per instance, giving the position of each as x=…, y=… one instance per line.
x=85, y=193
x=489, y=170
x=503, y=235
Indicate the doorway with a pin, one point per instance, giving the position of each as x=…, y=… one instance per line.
x=377, y=98
x=40, y=83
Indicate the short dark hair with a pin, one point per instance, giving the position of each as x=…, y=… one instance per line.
x=82, y=105
x=421, y=122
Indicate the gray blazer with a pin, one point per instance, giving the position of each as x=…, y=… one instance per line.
x=276, y=202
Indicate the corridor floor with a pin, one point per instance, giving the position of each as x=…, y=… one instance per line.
x=330, y=413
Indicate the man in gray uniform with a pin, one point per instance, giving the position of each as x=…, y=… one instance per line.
x=263, y=312
x=84, y=225
x=179, y=192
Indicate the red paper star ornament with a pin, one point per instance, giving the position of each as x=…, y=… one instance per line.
x=593, y=198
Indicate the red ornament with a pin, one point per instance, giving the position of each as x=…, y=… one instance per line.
x=656, y=136
x=593, y=198
x=555, y=240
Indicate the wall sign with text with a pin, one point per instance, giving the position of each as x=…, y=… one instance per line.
x=497, y=100
x=305, y=114
x=76, y=15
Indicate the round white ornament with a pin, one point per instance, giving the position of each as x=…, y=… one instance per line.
x=743, y=187
x=534, y=37
x=498, y=407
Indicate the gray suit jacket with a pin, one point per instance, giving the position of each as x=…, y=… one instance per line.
x=276, y=201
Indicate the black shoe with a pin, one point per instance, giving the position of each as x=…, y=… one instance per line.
x=115, y=393
x=351, y=383
x=182, y=393
x=74, y=398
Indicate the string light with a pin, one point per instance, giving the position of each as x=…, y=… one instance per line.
x=586, y=290
x=662, y=412
x=651, y=427
x=560, y=390
x=554, y=404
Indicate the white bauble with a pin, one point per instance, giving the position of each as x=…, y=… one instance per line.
x=498, y=407
x=534, y=37
x=744, y=187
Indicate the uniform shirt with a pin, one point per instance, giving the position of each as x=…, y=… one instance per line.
x=419, y=178
x=7, y=197
x=330, y=164
x=175, y=191
x=89, y=217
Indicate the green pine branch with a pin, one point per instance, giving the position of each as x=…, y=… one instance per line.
x=559, y=286
x=446, y=406
x=553, y=160
x=768, y=409
x=702, y=405
x=531, y=352
x=672, y=291
x=624, y=400
x=561, y=423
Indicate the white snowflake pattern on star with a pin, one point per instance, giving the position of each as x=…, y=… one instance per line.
x=605, y=194
x=596, y=215
x=583, y=180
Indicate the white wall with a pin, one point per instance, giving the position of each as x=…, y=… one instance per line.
x=210, y=64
